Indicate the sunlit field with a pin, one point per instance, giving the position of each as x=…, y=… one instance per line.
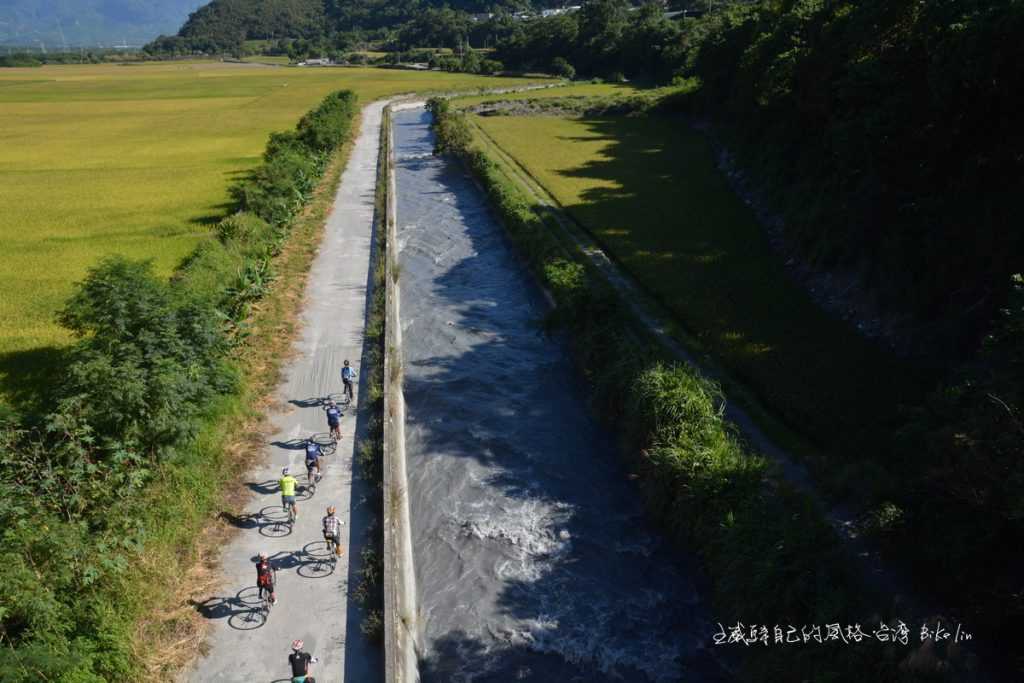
x=135, y=160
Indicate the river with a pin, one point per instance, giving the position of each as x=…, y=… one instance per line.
x=534, y=559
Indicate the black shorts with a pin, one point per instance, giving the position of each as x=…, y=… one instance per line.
x=333, y=425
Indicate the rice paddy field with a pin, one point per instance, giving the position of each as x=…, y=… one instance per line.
x=648, y=189
x=135, y=160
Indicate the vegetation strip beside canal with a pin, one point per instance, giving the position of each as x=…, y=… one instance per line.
x=770, y=555
x=158, y=413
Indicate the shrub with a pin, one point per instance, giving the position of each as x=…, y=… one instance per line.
x=560, y=66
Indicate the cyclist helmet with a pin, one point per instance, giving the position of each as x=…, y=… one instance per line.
x=331, y=510
x=296, y=645
x=346, y=363
x=263, y=555
x=285, y=470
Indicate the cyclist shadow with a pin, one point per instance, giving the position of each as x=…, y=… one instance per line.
x=283, y=561
x=274, y=522
x=290, y=444
x=264, y=488
x=240, y=521
x=309, y=402
x=242, y=610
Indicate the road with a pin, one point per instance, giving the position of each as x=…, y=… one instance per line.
x=313, y=596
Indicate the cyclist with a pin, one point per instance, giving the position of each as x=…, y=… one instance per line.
x=347, y=375
x=334, y=419
x=313, y=453
x=301, y=663
x=332, y=530
x=265, y=578
x=288, y=484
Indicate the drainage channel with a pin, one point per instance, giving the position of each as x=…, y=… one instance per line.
x=534, y=560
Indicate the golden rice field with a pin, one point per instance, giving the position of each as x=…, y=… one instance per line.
x=136, y=160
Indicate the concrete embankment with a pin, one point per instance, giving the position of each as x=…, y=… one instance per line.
x=400, y=623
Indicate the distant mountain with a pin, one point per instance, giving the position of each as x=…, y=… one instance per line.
x=223, y=25
x=87, y=23
x=226, y=21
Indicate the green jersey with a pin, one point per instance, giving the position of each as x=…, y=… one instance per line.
x=288, y=483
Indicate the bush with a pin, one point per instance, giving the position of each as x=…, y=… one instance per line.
x=294, y=161
x=561, y=67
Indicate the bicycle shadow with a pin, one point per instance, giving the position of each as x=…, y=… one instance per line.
x=274, y=522
x=242, y=610
x=321, y=562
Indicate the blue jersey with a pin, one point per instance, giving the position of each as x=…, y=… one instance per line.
x=312, y=451
x=333, y=415
x=347, y=373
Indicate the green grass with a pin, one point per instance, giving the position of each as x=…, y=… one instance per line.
x=102, y=159
x=648, y=189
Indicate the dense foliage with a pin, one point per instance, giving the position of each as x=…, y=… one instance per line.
x=223, y=25
x=608, y=38
x=152, y=359
x=889, y=133
x=886, y=134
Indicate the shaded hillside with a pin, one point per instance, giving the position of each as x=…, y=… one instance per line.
x=888, y=130
x=228, y=21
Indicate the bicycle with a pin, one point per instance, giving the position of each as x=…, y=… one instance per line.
x=327, y=445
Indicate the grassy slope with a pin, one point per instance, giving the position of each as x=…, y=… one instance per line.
x=648, y=189
x=134, y=160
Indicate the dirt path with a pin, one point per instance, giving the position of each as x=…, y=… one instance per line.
x=313, y=594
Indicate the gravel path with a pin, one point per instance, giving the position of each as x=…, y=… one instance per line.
x=313, y=594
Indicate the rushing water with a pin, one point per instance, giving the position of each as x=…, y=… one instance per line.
x=533, y=558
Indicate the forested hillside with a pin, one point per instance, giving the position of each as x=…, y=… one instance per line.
x=887, y=133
